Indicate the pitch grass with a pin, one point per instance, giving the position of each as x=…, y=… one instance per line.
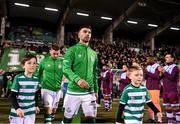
x=102, y=116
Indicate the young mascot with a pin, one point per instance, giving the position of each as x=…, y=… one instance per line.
x=25, y=93
x=134, y=98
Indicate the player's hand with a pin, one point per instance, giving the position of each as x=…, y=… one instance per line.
x=20, y=112
x=2, y=71
x=83, y=84
x=118, y=123
x=101, y=89
x=37, y=110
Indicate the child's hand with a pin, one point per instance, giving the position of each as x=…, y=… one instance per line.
x=20, y=112
x=159, y=115
x=37, y=110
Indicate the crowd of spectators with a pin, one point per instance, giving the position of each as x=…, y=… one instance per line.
x=114, y=54
x=124, y=51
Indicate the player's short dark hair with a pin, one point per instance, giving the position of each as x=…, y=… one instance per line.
x=27, y=58
x=85, y=26
x=55, y=47
x=171, y=54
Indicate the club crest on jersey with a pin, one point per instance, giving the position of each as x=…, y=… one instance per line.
x=92, y=59
x=79, y=55
x=59, y=66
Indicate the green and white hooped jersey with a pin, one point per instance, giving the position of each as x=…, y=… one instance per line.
x=134, y=99
x=26, y=88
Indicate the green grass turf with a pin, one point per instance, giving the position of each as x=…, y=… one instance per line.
x=102, y=116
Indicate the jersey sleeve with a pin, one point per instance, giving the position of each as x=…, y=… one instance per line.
x=96, y=88
x=67, y=64
x=40, y=70
x=38, y=85
x=124, y=97
x=15, y=85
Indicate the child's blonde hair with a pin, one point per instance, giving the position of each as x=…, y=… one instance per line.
x=134, y=68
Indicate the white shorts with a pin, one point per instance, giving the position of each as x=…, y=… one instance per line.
x=50, y=98
x=30, y=119
x=72, y=104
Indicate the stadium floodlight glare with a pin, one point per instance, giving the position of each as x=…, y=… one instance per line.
x=174, y=28
x=51, y=9
x=106, y=18
x=152, y=25
x=22, y=4
x=82, y=14
x=132, y=22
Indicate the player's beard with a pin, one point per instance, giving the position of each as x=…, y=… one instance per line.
x=86, y=40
